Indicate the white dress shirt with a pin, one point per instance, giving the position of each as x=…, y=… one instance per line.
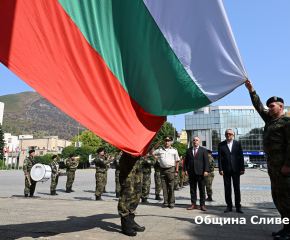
x=230, y=145
x=196, y=149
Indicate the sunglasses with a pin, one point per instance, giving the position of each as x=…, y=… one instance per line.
x=229, y=134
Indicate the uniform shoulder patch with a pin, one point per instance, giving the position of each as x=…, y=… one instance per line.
x=173, y=148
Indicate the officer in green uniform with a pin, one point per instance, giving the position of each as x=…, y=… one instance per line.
x=101, y=162
x=30, y=185
x=210, y=176
x=157, y=178
x=181, y=172
x=147, y=162
x=276, y=144
x=54, y=175
x=131, y=181
x=71, y=167
x=117, y=173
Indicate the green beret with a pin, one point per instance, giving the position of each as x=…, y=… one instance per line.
x=31, y=151
x=274, y=99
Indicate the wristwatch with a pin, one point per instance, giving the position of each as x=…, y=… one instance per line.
x=176, y=171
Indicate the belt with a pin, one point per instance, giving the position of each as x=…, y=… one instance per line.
x=276, y=152
x=167, y=167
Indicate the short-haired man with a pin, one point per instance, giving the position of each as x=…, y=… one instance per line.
x=30, y=185
x=196, y=165
x=276, y=144
x=71, y=167
x=54, y=175
x=231, y=166
x=168, y=157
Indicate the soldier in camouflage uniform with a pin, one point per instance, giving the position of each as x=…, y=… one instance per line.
x=147, y=162
x=181, y=172
x=30, y=185
x=54, y=175
x=117, y=173
x=131, y=181
x=176, y=180
x=210, y=176
x=101, y=162
x=276, y=144
x=157, y=178
x=71, y=167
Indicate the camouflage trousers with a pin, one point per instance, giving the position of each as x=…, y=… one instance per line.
x=186, y=179
x=117, y=180
x=157, y=179
x=180, y=176
x=146, y=182
x=280, y=185
x=100, y=183
x=176, y=182
x=208, y=183
x=70, y=179
x=131, y=181
x=54, y=181
x=29, y=185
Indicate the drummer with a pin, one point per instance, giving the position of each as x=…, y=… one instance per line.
x=27, y=165
x=54, y=175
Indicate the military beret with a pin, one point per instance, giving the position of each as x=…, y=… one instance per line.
x=167, y=138
x=209, y=151
x=274, y=99
x=54, y=156
x=71, y=155
x=31, y=151
x=100, y=150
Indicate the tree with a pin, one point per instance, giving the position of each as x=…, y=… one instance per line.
x=84, y=152
x=109, y=148
x=181, y=147
x=88, y=138
x=2, y=144
x=46, y=159
x=68, y=151
x=166, y=129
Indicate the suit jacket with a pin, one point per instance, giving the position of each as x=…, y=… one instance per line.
x=198, y=164
x=231, y=160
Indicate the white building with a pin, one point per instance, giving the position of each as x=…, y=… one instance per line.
x=1, y=112
x=11, y=141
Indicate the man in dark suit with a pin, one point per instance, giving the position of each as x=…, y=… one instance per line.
x=196, y=165
x=231, y=166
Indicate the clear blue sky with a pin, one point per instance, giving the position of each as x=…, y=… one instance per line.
x=262, y=32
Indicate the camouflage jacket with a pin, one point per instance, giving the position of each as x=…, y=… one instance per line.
x=28, y=164
x=146, y=164
x=54, y=167
x=117, y=163
x=101, y=163
x=211, y=164
x=70, y=166
x=276, y=136
x=180, y=166
x=156, y=165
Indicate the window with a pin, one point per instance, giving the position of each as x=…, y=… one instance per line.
x=204, y=143
x=215, y=111
x=43, y=147
x=201, y=112
x=195, y=133
x=41, y=153
x=216, y=120
x=203, y=132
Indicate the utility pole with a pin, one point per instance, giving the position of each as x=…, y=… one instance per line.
x=174, y=129
x=78, y=134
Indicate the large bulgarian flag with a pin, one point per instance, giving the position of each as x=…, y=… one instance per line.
x=120, y=66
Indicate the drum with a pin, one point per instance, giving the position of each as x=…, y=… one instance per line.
x=40, y=172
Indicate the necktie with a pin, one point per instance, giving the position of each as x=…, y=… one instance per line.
x=194, y=152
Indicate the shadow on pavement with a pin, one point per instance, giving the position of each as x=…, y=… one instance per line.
x=52, y=228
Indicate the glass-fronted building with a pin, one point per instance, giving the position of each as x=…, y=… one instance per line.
x=211, y=122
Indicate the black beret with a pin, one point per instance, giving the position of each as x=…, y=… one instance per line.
x=274, y=99
x=209, y=151
x=54, y=156
x=167, y=137
x=100, y=150
x=71, y=155
x=31, y=151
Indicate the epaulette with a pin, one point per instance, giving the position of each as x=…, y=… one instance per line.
x=173, y=148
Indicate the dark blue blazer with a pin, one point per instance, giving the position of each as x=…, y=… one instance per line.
x=231, y=160
x=198, y=164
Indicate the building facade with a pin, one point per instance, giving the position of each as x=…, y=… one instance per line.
x=211, y=122
x=1, y=112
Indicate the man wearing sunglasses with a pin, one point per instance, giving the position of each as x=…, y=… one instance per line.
x=276, y=144
x=231, y=166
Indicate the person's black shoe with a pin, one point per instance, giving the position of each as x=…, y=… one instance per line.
x=117, y=194
x=284, y=236
x=171, y=207
x=176, y=189
x=144, y=200
x=98, y=198
x=55, y=193
x=228, y=210
x=127, y=227
x=71, y=190
x=274, y=234
x=31, y=194
x=209, y=198
x=135, y=225
x=239, y=210
x=105, y=191
x=52, y=193
x=67, y=190
x=25, y=195
x=157, y=197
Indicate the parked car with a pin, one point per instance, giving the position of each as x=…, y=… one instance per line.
x=252, y=165
x=265, y=166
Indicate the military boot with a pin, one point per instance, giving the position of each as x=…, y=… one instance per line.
x=25, y=195
x=98, y=198
x=68, y=190
x=71, y=190
x=52, y=193
x=144, y=200
x=135, y=225
x=105, y=191
x=31, y=194
x=127, y=227
x=209, y=198
x=157, y=197
x=285, y=229
x=117, y=194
